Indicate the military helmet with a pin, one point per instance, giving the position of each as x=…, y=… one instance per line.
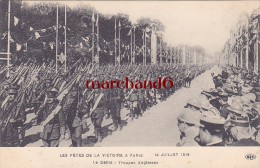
x=189, y=116
x=194, y=102
x=242, y=121
x=213, y=119
x=237, y=99
x=52, y=93
x=48, y=80
x=205, y=105
x=236, y=108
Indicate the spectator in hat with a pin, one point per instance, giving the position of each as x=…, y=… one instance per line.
x=223, y=100
x=188, y=125
x=236, y=109
x=241, y=132
x=211, y=129
x=218, y=81
x=215, y=99
x=193, y=104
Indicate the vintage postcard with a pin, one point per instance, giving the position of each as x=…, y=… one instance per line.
x=163, y=84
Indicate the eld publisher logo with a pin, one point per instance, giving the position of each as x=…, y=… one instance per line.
x=250, y=157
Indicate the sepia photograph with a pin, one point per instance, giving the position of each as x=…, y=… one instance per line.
x=132, y=83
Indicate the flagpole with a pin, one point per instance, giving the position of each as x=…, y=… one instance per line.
x=65, y=32
x=115, y=43
x=247, y=43
x=119, y=51
x=97, y=38
x=57, y=20
x=8, y=43
x=257, y=45
x=93, y=38
x=160, y=50
x=171, y=56
x=143, y=47
x=134, y=47
x=131, y=46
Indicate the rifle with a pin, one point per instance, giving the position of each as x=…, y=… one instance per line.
x=20, y=98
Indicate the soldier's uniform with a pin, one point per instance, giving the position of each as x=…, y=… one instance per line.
x=51, y=132
x=133, y=98
x=98, y=114
x=74, y=116
x=115, y=100
x=12, y=117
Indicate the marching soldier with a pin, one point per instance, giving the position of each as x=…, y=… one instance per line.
x=133, y=98
x=12, y=117
x=115, y=100
x=99, y=111
x=75, y=112
x=51, y=134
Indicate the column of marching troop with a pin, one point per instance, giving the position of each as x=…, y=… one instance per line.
x=60, y=103
x=227, y=115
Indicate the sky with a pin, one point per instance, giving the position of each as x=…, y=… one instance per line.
x=203, y=23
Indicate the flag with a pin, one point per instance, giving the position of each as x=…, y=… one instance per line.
x=96, y=58
x=11, y=39
x=37, y=35
x=51, y=45
x=129, y=33
x=147, y=35
x=97, y=20
x=31, y=29
x=81, y=45
x=16, y=20
x=18, y=47
x=62, y=58
x=4, y=35
x=25, y=47
x=85, y=39
x=93, y=18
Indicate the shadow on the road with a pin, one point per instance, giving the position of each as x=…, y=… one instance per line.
x=30, y=139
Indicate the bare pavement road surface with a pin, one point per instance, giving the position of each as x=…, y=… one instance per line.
x=157, y=126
